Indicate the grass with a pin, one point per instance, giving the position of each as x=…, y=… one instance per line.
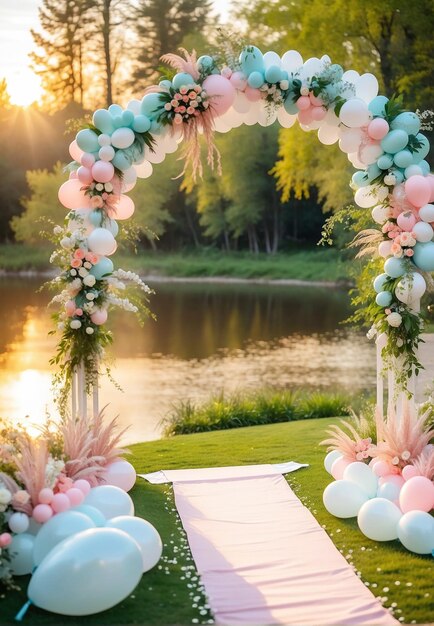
x=324, y=265
x=163, y=598
x=264, y=407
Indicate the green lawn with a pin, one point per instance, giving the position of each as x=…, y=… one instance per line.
x=168, y=595
x=316, y=264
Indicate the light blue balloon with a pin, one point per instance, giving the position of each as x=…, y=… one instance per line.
x=156, y=127
x=205, y=62
x=141, y=124
x=101, y=567
x=394, y=267
x=182, y=80
x=289, y=105
x=103, y=121
x=394, y=141
x=360, y=178
x=373, y=171
x=385, y=161
x=380, y=281
x=273, y=74
x=121, y=161
x=58, y=528
x=423, y=256
x=90, y=511
x=95, y=218
x=406, y=121
x=166, y=84
x=399, y=175
x=420, y=153
x=21, y=554
x=115, y=110
x=103, y=267
x=251, y=60
x=112, y=226
x=87, y=140
x=413, y=170
x=425, y=167
x=151, y=105
x=377, y=106
x=403, y=158
x=255, y=80
x=127, y=118
x=416, y=532
x=117, y=121
x=284, y=75
x=384, y=298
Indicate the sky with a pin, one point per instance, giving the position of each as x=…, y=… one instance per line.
x=17, y=17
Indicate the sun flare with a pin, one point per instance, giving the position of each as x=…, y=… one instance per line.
x=24, y=88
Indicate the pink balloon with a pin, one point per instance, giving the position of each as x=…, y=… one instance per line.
x=87, y=160
x=221, y=92
x=394, y=479
x=239, y=81
x=60, y=503
x=303, y=103
x=72, y=197
x=120, y=474
x=253, y=95
x=70, y=307
x=84, y=175
x=381, y=468
x=318, y=113
x=123, y=209
x=75, y=151
x=45, y=496
x=305, y=116
x=406, y=221
x=99, y=317
x=315, y=100
x=338, y=467
x=409, y=471
x=418, y=190
x=42, y=513
x=430, y=179
x=417, y=494
x=75, y=496
x=103, y=171
x=83, y=485
x=378, y=128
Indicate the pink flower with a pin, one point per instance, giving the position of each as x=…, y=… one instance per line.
x=178, y=96
x=409, y=252
x=185, y=98
x=192, y=95
x=197, y=88
x=104, y=195
x=78, y=312
x=183, y=90
x=396, y=249
x=359, y=456
x=387, y=311
x=21, y=498
x=196, y=113
x=177, y=110
x=182, y=109
x=75, y=263
x=174, y=102
x=92, y=258
x=96, y=202
x=79, y=254
x=190, y=110
x=178, y=119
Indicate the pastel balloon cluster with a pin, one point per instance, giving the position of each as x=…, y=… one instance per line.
x=94, y=542
x=388, y=506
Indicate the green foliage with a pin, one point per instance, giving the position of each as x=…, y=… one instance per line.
x=265, y=407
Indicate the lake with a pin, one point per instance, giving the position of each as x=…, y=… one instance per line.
x=208, y=338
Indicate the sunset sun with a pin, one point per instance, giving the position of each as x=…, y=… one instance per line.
x=24, y=88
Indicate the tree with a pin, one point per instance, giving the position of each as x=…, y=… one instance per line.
x=60, y=50
x=161, y=26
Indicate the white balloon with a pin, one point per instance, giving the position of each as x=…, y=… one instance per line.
x=378, y=519
x=123, y=137
x=331, y=119
x=369, y=154
x=411, y=288
x=157, y=156
x=101, y=241
x=79, y=219
x=389, y=490
x=423, y=232
x=292, y=61
x=354, y=113
x=19, y=523
x=87, y=573
x=144, y=170
x=135, y=106
x=285, y=119
x=271, y=58
x=331, y=457
x=343, y=498
x=380, y=213
x=144, y=534
x=385, y=248
x=58, y=528
x=311, y=67
x=326, y=60
x=353, y=158
x=328, y=135
x=350, y=76
x=267, y=116
x=367, y=87
x=350, y=139
x=121, y=474
x=416, y=532
x=241, y=103
x=129, y=179
x=111, y=501
x=366, y=197
x=426, y=213
x=361, y=474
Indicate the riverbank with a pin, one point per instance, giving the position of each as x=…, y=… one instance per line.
x=326, y=267
x=170, y=593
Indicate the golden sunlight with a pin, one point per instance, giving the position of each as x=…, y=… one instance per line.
x=30, y=398
x=24, y=88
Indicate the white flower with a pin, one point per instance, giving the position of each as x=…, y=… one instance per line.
x=52, y=471
x=57, y=230
x=372, y=332
x=75, y=324
x=66, y=243
x=5, y=495
x=394, y=319
x=89, y=330
x=83, y=272
x=284, y=84
x=390, y=180
x=74, y=286
x=99, y=186
x=73, y=272
x=168, y=106
x=395, y=460
x=90, y=296
x=108, y=187
x=60, y=326
x=88, y=307
x=87, y=265
x=304, y=91
x=89, y=280
x=405, y=455
x=399, y=342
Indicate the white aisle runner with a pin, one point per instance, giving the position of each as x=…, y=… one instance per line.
x=262, y=556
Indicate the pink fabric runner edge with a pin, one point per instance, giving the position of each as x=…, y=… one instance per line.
x=264, y=559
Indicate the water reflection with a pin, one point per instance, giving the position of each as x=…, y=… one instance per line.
x=207, y=338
